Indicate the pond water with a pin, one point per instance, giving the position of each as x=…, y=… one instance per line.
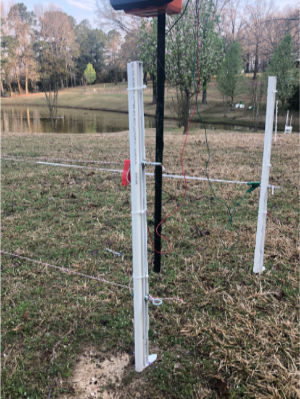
x=36, y=120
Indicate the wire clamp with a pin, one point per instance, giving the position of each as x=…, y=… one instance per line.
x=155, y=301
x=254, y=185
x=145, y=163
x=139, y=212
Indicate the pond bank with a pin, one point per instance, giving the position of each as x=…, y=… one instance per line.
x=115, y=99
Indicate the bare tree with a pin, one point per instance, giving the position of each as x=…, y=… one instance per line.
x=113, y=48
x=108, y=18
x=20, y=23
x=255, y=15
x=256, y=91
x=55, y=39
x=231, y=21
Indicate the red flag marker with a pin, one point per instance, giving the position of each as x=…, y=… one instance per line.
x=126, y=173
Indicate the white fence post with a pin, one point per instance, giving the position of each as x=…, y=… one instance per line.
x=139, y=209
x=276, y=119
x=263, y=200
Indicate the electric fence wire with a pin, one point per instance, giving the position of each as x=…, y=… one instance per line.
x=179, y=18
x=185, y=184
x=62, y=159
x=254, y=184
x=102, y=280
x=168, y=176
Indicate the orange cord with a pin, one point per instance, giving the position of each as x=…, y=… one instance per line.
x=186, y=136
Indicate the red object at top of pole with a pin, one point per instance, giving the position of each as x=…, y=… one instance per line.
x=147, y=8
x=170, y=8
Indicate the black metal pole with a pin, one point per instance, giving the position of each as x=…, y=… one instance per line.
x=161, y=40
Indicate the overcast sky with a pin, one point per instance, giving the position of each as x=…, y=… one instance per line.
x=85, y=9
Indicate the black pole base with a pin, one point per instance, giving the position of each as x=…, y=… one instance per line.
x=161, y=44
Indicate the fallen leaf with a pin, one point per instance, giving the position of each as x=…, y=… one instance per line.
x=178, y=366
x=201, y=233
x=199, y=197
x=26, y=315
x=132, y=359
x=183, y=321
x=278, y=293
x=222, y=387
x=18, y=328
x=19, y=252
x=70, y=182
x=109, y=242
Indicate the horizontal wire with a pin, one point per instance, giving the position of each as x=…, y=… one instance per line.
x=62, y=160
x=65, y=270
x=147, y=174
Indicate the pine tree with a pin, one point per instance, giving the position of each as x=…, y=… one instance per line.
x=89, y=74
x=282, y=65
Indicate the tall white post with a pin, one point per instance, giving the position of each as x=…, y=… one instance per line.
x=263, y=200
x=276, y=119
x=139, y=209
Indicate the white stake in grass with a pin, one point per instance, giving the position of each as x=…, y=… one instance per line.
x=139, y=209
x=263, y=200
x=288, y=125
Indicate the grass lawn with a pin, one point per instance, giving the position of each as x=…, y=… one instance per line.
x=115, y=98
x=234, y=336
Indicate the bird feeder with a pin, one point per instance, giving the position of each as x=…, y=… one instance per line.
x=147, y=8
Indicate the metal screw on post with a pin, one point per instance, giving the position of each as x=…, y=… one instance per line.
x=161, y=39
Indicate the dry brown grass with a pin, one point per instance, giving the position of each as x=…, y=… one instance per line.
x=236, y=334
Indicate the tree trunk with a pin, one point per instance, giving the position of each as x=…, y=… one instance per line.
x=186, y=111
x=62, y=83
x=225, y=106
x=145, y=78
x=204, y=93
x=255, y=63
x=154, y=89
x=26, y=78
x=248, y=63
x=282, y=108
x=17, y=77
x=2, y=89
x=10, y=89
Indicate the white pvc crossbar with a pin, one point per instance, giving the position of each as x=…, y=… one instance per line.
x=147, y=174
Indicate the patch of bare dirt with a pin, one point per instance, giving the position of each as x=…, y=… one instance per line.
x=97, y=376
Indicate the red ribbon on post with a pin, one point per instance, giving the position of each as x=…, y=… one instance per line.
x=126, y=178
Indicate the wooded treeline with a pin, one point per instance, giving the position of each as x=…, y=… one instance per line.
x=39, y=44
x=258, y=25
